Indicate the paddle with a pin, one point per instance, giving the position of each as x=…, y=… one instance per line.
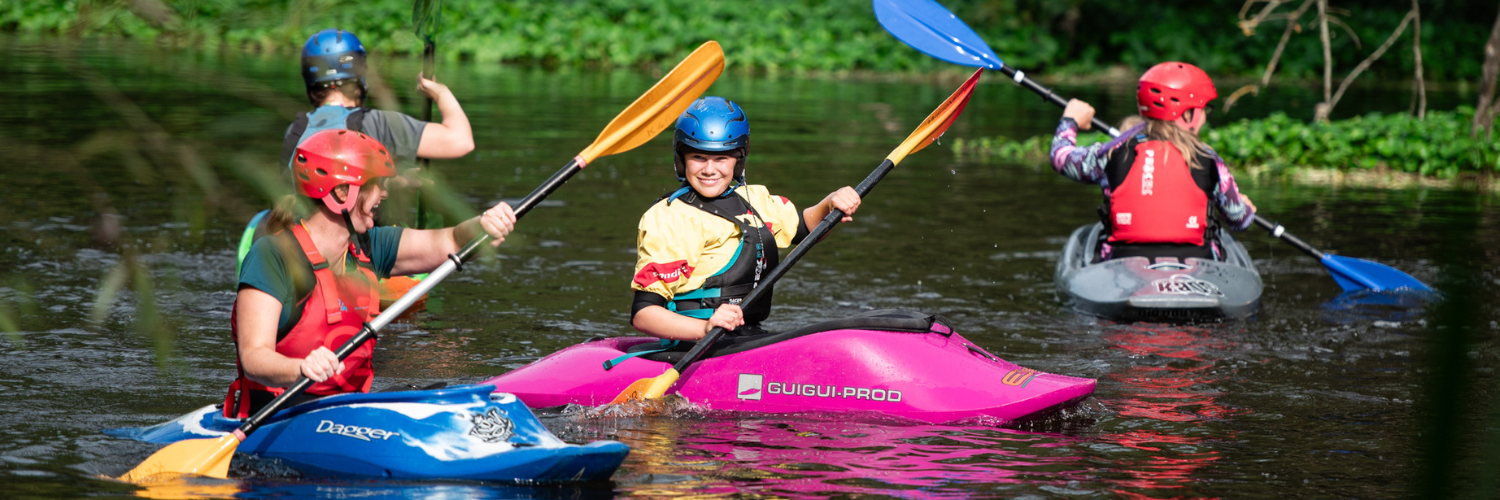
x=930, y=130
x=928, y=27
x=425, y=18
x=653, y=112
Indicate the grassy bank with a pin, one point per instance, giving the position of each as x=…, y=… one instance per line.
x=1080, y=37
x=1437, y=147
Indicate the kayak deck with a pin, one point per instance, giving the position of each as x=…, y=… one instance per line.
x=466, y=432
x=1136, y=289
x=894, y=363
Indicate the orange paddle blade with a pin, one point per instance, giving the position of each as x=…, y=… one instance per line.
x=936, y=123
x=648, y=388
x=659, y=107
x=204, y=457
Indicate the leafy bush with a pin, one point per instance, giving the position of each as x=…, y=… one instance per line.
x=1438, y=145
x=1061, y=38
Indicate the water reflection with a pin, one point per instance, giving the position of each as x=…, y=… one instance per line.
x=816, y=456
x=1172, y=383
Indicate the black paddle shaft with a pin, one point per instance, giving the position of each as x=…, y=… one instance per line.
x=1047, y=94
x=369, y=331
x=1280, y=233
x=832, y=219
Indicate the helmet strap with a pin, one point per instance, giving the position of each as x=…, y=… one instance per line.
x=361, y=241
x=350, y=199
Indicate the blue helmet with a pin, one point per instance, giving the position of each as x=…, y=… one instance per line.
x=712, y=124
x=332, y=56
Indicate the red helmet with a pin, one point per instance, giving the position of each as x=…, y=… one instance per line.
x=333, y=157
x=1169, y=88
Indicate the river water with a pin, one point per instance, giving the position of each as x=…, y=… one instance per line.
x=1310, y=395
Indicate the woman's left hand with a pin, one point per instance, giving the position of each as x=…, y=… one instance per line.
x=845, y=199
x=1246, y=200
x=498, y=221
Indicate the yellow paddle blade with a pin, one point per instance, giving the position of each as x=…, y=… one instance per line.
x=648, y=388
x=204, y=457
x=936, y=123
x=659, y=107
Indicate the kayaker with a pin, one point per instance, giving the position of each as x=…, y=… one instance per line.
x=309, y=283
x=705, y=246
x=1158, y=178
x=333, y=70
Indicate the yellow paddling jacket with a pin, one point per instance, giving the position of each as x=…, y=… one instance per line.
x=699, y=253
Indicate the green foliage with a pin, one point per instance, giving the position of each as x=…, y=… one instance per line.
x=1072, y=37
x=1438, y=145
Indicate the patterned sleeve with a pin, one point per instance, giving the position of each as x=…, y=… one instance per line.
x=1084, y=164
x=666, y=253
x=779, y=213
x=1237, y=215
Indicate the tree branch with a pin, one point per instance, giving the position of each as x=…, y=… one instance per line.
x=1419, y=87
x=1328, y=110
x=1327, y=51
x=1484, y=114
x=1291, y=24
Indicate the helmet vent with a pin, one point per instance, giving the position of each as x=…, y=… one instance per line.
x=303, y=176
x=321, y=172
x=1155, y=90
x=301, y=159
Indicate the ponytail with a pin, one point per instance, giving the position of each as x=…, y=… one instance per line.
x=288, y=210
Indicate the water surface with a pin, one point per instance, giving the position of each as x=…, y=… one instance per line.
x=1306, y=396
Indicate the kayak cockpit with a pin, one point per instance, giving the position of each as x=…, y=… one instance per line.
x=883, y=320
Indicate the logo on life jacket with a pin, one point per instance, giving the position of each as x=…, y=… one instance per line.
x=1192, y=222
x=1148, y=173
x=1122, y=219
x=666, y=273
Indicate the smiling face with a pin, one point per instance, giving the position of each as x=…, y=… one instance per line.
x=709, y=173
x=370, y=196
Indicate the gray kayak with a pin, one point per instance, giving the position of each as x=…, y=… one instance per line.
x=1134, y=289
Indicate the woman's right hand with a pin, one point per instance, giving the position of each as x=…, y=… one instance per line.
x=321, y=364
x=727, y=316
x=1081, y=113
x=432, y=88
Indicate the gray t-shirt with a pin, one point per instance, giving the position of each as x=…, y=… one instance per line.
x=400, y=133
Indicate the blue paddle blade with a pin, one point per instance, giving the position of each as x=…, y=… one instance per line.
x=928, y=27
x=1357, y=274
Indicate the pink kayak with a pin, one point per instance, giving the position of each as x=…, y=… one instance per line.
x=890, y=362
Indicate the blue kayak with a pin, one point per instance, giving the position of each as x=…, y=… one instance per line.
x=464, y=432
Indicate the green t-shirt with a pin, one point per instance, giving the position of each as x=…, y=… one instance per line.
x=277, y=266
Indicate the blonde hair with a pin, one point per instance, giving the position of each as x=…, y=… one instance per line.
x=292, y=208
x=1184, y=140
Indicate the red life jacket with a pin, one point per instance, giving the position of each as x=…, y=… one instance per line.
x=1159, y=202
x=325, y=322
